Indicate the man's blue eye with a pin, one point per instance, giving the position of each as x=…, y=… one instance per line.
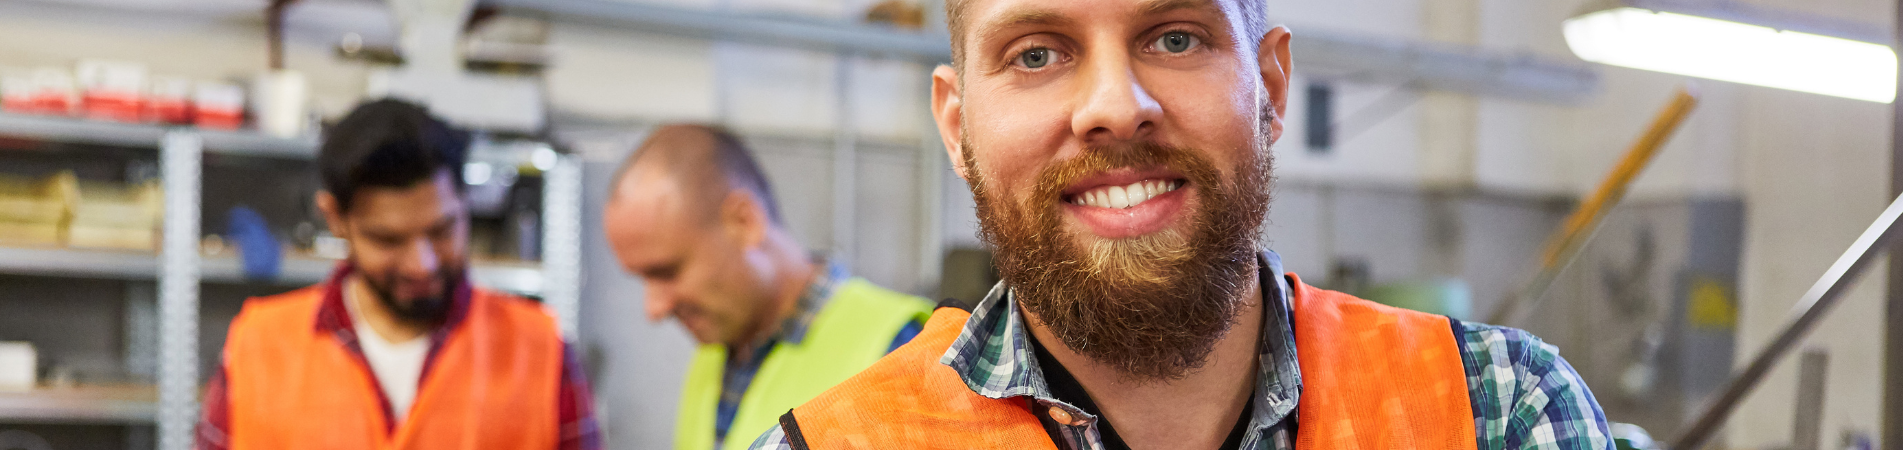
x=1035, y=58
x=1176, y=42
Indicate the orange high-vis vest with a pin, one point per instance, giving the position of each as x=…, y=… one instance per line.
x=492, y=385
x=1374, y=377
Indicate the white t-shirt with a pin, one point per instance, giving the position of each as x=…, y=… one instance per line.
x=398, y=366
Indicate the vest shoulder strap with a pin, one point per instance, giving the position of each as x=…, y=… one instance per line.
x=1376, y=376
x=263, y=320
x=910, y=400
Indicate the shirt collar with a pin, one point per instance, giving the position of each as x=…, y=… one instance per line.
x=994, y=358
x=814, y=298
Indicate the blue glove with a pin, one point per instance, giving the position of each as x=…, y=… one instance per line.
x=257, y=249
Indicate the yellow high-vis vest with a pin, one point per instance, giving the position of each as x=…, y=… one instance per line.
x=854, y=329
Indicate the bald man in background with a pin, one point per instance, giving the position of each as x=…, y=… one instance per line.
x=693, y=216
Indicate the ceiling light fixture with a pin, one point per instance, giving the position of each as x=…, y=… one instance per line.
x=1731, y=42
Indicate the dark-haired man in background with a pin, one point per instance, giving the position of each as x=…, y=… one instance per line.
x=396, y=350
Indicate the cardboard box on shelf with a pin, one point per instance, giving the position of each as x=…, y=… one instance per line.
x=117, y=216
x=37, y=211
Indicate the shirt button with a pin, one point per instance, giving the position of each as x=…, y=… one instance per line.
x=1064, y=417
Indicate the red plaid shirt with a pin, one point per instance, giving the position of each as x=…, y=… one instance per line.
x=575, y=405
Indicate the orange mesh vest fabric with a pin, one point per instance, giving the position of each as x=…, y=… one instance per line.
x=908, y=400
x=493, y=383
x=1373, y=377
x=1376, y=377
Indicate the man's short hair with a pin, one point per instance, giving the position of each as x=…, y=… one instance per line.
x=708, y=174
x=392, y=144
x=1255, y=24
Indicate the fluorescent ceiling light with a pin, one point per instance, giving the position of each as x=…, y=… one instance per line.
x=1736, y=52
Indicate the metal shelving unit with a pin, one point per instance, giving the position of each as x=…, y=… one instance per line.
x=93, y=132
x=179, y=267
x=98, y=405
x=516, y=277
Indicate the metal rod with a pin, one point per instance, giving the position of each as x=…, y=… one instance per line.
x=845, y=164
x=1807, y=427
x=1892, y=414
x=765, y=29
x=1804, y=316
x=561, y=243
x=181, y=154
x=274, y=29
x=1566, y=242
x=931, y=198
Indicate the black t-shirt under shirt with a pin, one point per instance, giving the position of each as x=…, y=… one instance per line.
x=1065, y=388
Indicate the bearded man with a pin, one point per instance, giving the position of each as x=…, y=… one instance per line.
x=1119, y=154
x=397, y=349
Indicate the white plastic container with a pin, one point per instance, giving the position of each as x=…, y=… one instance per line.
x=18, y=366
x=278, y=102
x=112, y=90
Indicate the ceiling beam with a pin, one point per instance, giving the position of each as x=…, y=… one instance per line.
x=1520, y=76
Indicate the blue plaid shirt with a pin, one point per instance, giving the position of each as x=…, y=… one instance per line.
x=739, y=371
x=1524, y=395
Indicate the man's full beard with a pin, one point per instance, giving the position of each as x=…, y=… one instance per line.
x=1150, y=306
x=428, y=310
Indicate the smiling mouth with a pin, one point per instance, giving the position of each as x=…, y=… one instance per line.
x=1125, y=196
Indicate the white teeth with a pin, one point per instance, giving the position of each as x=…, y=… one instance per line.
x=1119, y=198
x=1127, y=196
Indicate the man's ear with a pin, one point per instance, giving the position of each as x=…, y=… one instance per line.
x=948, y=110
x=743, y=218
x=1277, y=67
x=333, y=214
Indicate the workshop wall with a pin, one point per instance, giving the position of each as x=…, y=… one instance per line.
x=1396, y=194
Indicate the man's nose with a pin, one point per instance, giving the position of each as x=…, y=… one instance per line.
x=420, y=260
x=658, y=302
x=1114, y=106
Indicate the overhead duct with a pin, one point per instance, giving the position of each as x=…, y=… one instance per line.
x=1468, y=70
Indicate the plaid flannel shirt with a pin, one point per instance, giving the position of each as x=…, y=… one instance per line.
x=1524, y=396
x=740, y=370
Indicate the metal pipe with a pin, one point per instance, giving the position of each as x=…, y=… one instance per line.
x=931, y=199
x=1807, y=427
x=845, y=164
x=1566, y=242
x=1892, y=413
x=1804, y=316
x=1465, y=69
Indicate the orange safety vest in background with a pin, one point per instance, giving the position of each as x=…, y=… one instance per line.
x=1374, y=377
x=493, y=382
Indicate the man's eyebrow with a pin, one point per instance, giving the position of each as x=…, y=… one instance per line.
x=1035, y=16
x=1022, y=17
x=1163, y=6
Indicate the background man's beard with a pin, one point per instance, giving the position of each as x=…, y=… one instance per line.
x=1152, y=306
x=426, y=310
